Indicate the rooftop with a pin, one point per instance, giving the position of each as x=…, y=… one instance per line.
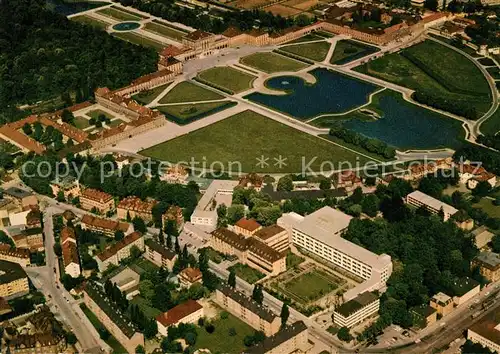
x=277, y=339
x=248, y=303
x=136, y=204
x=441, y=298
x=164, y=251
x=488, y=326
x=462, y=286
x=13, y=252
x=197, y=35
x=423, y=310
x=67, y=233
x=191, y=274
x=356, y=304
x=432, y=202
x=127, y=240
x=17, y=192
x=489, y=260
x=10, y=272
x=69, y=253
x=95, y=293
x=97, y=195
x=105, y=223
x=248, y=224
x=269, y=231
x=176, y=314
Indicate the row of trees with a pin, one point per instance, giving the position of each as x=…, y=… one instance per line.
x=440, y=102
x=47, y=56
x=490, y=140
x=372, y=145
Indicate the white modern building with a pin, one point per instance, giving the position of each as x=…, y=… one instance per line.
x=356, y=310
x=320, y=233
x=433, y=205
x=219, y=192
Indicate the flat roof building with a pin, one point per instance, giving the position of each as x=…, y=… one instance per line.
x=321, y=234
x=274, y=236
x=442, y=303
x=291, y=339
x=432, y=205
x=487, y=331
x=356, y=310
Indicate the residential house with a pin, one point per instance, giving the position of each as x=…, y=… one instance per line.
x=69, y=186
x=189, y=276
x=31, y=239
x=489, y=265
x=70, y=257
x=132, y=206
x=246, y=227
x=105, y=226
x=442, y=303
x=93, y=199
x=187, y=312
x=159, y=254
x=120, y=250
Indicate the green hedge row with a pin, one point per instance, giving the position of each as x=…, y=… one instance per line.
x=211, y=84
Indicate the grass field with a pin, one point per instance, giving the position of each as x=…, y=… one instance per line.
x=111, y=341
x=492, y=124
x=118, y=15
x=314, y=51
x=487, y=206
x=247, y=273
x=189, y=111
x=398, y=69
x=307, y=38
x=247, y=136
x=146, y=307
x=89, y=20
x=146, y=265
x=148, y=96
x=188, y=92
x=228, y=78
x=293, y=260
x=137, y=39
x=346, y=51
x=81, y=122
x=272, y=62
x=97, y=112
x=494, y=72
x=168, y=32
x=220, y=341
x=311, y=286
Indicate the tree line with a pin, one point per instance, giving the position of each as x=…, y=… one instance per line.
x=372, y=145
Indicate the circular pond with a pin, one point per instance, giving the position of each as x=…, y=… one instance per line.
x=126, y=26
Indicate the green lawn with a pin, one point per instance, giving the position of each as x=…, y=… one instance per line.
x=220, y=341
x=137, y=39
x=187, y=112
x=314, y=51
x=347, y=50
x=400, y=70
x=166, y=31
x=494, y=72
x=89, y=20
x=148, y=96
x=81, y=122
x=247, y=273
x=492, y=124
x=213, y=255
x=227, y=78
x=293, y=260
x=272, y=62
x=111, y=341
x=311, y=286
x=97, y=112
x=147, y=265
x=487, y=206
x=188, y=92
x=118, y=15
x=307, y=38
x=146, y=307
x=247, y=136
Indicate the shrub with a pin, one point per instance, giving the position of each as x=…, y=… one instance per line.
x=224, y=315
x=210, y=328
x=232, y=332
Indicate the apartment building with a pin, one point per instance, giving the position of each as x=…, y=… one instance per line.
x=423, y=315
x=249, y=311
x=159, y=254
x=442, y=303
x=69, y=187
x=22, y=197
x=20, y=256
x=432, y=205
x=93, y=199
x=187, y=312
x=174, y=213
x=489, y=265
x=133, y=206
x=291, y=339
x=115, y=322
x=105, y=226
x=274, y=236
x=38, y=343
x=31, y=239
x=486, y=331
x=250, y=251
x=13, y=280
x=321, y=234
x=205, y=214
x=70, y=257
x=356, y=310
x=120, y=250
x=7, y=207
x=247, y=227
x=464, y=289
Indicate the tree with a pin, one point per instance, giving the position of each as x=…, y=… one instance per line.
x=235, y=213
x=161, y=238
x=67, y=117
x=139, y=224
x=482, y=189
x=325, y=184
x=231, y=332
x=285, y=313
x=177, y=246
x=285, y=183
x=135, y=252
x=162, y=298
x=370, y=205
x=140, y=350
x=58, y=249
x=344, y=335
x=71, y=338
x=258, y=295
x=169, y=242
x=27, y=129
x=232, y=279
x=119, y=235
x=495, y=243
x=60, y=197
x=129, y=219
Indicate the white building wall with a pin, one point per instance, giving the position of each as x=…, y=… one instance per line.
x=358, y=316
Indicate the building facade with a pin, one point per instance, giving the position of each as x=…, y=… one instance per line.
x=93, y=199
x=432, y=205
x=356, y=310
x=13, y=280
x=442, y=303
x=159, y=254
x=134, y=207
x=19, y=256
x=105, y=226
x=187, y=312
x=120, y=250
x=290, y=339
x=489, y=265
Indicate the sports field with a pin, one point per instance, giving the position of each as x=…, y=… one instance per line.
x=188, y=92
x=311, y=286
x=272, y=62
x=164, y=30
x=246, y=137
x=139, y=40
x=314, y=51
x=227, y=78
x=422, y=68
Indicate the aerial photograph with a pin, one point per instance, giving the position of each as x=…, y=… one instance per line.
x=249, y=176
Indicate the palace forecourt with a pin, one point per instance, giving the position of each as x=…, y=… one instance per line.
x=320, y=234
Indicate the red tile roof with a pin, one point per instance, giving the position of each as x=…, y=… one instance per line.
x=67, y=233
x=104, y=223
x=69, y=253
x=191, y=274
x=248, y=224
x=127, y=240
x=96, y=195
x=179, y=312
